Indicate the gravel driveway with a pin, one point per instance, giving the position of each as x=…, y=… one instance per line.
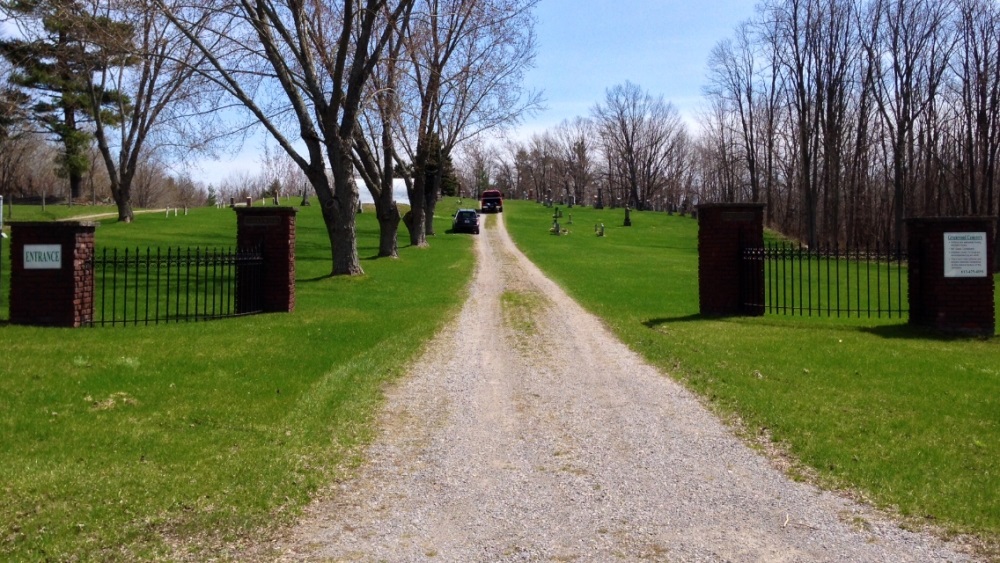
x=527, y=432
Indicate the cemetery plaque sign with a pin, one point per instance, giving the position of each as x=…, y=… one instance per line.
x=965, y=255
x=42, y=257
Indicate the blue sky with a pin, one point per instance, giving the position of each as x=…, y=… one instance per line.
x=588, y=46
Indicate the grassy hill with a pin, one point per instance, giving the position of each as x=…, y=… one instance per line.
x=899, y=416
x=125, y=443
x=134, y=443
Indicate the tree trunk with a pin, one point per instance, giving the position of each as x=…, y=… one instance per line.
x=388, y=222
x=430, y=204
x=75, y=186
x=388, y=228
x=418, y=201
x=418, y=232
x=124, y=203
x=340, y=227
x=339, y=206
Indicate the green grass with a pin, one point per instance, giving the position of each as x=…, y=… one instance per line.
x=19, y=212
x=123, y=443
x=908, y=419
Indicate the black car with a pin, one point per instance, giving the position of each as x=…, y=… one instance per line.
x=465, y=221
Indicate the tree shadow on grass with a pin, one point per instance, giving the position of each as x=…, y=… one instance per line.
x=915, y=332
x=653, y=323
x=314, y=278
x=902, y=331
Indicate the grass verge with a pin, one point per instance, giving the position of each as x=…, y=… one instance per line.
x=133, y=443
x=898, y=416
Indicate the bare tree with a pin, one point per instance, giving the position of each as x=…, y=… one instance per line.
x=866, y=112
x=375, y=144
x=508, y=173
x=467, y=60
x=914, y=36
x=301, y=68
x=160, y=90
x=576, y=141
x=643, y=138
x=795, y=30
x=733, y=74
x=544, y=155
x=477, y=167
x=719, y=170
x=977, y=64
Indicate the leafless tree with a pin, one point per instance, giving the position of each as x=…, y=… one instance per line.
x=577, y=142
x=733, y=75
x=794, y=33
x=914, y=39
x=977, y=65
x=508, y=173
x=467, y=62
x=643, y=140
x=301, y=69
x=476, y=167
x=162, y=93
x=865, y=112
x=719, y=169
x=375, y=143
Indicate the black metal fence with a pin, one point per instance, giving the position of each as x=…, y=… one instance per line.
x=860, y=282
x=133, y=287
x=4, y=291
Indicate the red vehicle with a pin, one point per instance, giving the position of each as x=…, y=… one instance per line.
x=491, y=202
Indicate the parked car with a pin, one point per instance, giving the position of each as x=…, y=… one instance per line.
x=491, y=201
x=465, y=221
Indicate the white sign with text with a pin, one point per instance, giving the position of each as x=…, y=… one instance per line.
x=965, y=255
x=42, y=256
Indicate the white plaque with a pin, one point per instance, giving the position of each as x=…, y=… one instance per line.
x=42, y=256
x=965, y=255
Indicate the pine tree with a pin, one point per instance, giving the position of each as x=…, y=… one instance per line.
x=55, y=64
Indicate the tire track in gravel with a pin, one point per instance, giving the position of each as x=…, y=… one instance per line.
x=543, y=438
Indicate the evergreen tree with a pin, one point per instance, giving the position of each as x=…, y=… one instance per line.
x=440, y=171
x=12, y=113
x=55, y=64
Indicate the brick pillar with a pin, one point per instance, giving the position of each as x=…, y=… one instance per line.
x=725, y=283
x=951, y=274
x=273, y=229
x=52, y=275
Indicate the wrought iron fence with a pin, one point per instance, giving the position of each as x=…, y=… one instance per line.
x=133, y=287
x=3, y=260
x=857, y=282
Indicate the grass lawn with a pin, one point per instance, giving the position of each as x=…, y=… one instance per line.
x=18, y=212
x=121, y=443
x=908, y=420
x=125, y=443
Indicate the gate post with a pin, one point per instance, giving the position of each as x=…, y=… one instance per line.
x=273, y=230
x=951, y=274
x=52, y=274
x=725, y=287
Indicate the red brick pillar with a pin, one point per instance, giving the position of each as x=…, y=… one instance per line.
x=726, y=284
x=52, y=274
x=273, y=229
x=951, y=274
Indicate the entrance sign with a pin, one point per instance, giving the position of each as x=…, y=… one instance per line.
x=965, y=255
x=42, y=256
